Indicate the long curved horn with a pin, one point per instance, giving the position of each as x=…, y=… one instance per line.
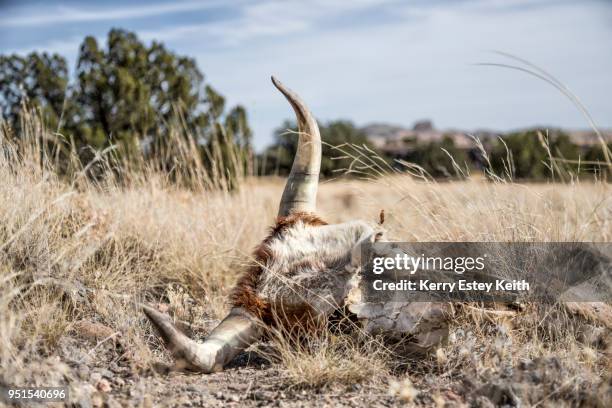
x=235, y=333
x=300, y=192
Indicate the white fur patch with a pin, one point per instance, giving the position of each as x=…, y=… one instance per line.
x=311, y=265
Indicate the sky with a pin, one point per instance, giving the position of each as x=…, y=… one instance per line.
x=381, y=61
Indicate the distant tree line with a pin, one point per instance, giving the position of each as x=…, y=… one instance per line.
x=528, y=155
x=126, y=94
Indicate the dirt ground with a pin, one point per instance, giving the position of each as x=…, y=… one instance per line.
x=253, y=380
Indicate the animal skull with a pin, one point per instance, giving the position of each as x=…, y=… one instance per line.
x=303, y=269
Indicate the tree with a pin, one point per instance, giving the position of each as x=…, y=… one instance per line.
x=129, y=92
x=437, y=158
x=530, y=159
x=237, y=126
x=40, y=80
x=278, y=158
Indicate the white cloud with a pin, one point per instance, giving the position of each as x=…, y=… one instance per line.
x=269, y=18
x=62, y=14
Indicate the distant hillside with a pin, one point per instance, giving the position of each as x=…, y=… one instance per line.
x=397, y=140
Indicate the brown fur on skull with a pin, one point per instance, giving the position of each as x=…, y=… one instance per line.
x=304, y=269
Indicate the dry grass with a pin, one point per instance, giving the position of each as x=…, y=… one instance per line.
x=75, y=257
x=322, y=357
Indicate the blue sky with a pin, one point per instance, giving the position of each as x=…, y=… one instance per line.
x=362, y=60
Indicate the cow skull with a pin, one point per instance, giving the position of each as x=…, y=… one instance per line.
x=303, y=269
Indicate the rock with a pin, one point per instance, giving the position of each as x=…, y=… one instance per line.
x=97, y=400
x=147, y=401
x=106, y=373
x=83, y=402
x=112, y=403
x=94, y=331
x=483, y=402
x=103, y=386
x=83, y=372
x=257, y=396
x=82, y=394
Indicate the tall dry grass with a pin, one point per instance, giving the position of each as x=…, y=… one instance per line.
x=76, y=256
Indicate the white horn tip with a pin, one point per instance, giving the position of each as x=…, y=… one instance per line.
x=278, y=84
